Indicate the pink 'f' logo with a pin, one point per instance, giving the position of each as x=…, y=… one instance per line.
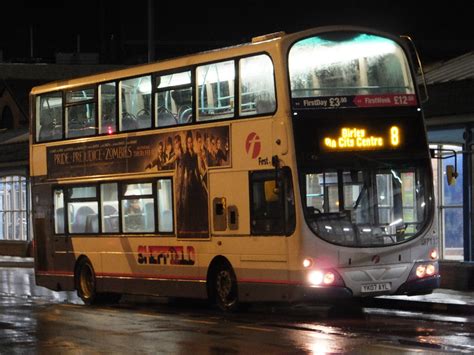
x=376, y=259
x=252, y=144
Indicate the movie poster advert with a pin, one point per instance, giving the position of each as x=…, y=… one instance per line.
x=187, y=154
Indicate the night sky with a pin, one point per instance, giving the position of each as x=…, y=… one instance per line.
x=106, y=26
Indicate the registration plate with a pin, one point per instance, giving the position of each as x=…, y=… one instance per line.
x=376, y=287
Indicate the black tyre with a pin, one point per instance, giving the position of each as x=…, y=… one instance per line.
x=86, y=286
x=224, y=288
x=85, y=282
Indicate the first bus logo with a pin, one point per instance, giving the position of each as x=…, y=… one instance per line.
x=253, y=145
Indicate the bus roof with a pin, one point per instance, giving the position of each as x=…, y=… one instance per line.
x=258, y=44
x=165, y=64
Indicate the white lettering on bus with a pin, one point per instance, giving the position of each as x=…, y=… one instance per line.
x=377, y=100
x=315, y=103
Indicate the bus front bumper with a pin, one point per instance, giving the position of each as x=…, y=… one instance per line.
x=419, y=287
x=308, y=293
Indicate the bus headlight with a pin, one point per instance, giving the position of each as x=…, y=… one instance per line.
x=324, y=278
x=420, y=271
x=307, y=262
x=430, y=270
x=315, y=277
x=423, y=269
x=329, y=278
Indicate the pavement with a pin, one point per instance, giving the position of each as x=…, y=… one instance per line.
x=16, y=261
x=441, y=300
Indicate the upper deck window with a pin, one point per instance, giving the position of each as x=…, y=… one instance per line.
x=174, y=99
x=216, y=96
x=49, y=117
x=107, y=108
x=359, y=69
x=80, y=113
x=135, y=103
x=257, y=85
x=234, y=88
x=216, y=90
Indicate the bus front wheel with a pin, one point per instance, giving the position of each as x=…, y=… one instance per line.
x=224, y=288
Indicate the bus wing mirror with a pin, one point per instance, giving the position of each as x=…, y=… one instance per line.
x=451, y=174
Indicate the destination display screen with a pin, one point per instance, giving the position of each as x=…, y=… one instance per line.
x=320, y=140
x=353, y=137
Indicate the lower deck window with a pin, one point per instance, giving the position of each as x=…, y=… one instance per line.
x=144, y=207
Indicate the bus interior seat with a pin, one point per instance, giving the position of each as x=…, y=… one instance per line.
x=109, y=210
x=79, y=224
x=111, y=224
x=129, y=121
x=110, y=219
x=92, y=223
x=79, y=122
x=165, y=117
x=143, y=119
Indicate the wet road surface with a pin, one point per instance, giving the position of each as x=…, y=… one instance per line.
x=36, y=320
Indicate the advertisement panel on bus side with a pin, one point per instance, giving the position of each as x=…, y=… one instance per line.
x=154, y=152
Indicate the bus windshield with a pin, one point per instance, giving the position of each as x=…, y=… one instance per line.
x=348, y=64
x=366, y=207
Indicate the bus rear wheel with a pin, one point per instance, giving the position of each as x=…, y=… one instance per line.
x=85, y=282
x=86, y=286
x=224, y=288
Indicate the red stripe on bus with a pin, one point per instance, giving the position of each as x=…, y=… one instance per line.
x=150, y=276
x=55, y=273
x=276, y=282
x=137, y=276
x=167, y=277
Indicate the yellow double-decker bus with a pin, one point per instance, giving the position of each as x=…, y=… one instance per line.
x=291, y=168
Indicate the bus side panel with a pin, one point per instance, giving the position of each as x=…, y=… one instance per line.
x=153, y=265
x=41, y=227
x=153, y=287
x=231, y=190
x=54, y=262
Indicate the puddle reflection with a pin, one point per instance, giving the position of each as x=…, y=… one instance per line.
x=20, y=282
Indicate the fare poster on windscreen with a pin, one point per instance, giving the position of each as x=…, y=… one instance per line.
x=148, y=153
